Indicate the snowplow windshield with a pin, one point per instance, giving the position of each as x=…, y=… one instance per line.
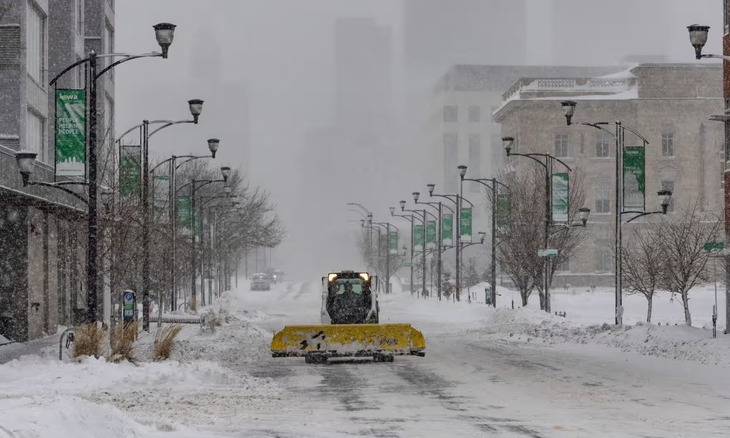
x=344, y=285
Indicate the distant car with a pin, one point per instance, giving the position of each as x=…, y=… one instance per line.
x=260, y=282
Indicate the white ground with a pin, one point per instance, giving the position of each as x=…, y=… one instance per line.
x=487, y=373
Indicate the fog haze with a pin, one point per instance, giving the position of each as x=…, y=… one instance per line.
x=321, y=110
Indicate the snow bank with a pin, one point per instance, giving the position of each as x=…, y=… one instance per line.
x=667, y=341
x=63, y=416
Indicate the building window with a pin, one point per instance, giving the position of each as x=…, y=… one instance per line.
x=725, y=11
x=35, y=130
x=36, y=32
x=451, y=157
x=667, y=144
x=669, y=185
x=451, y=114
x=80, y=17
x=603, y=259
x=475, y=160
x=602, y=144
x=603, y=196
x=475, y=114
x=561, y=145
x=109, y=47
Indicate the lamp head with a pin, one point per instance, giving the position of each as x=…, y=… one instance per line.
x=666, y=199
x=431, y=188
x=416, y=195
x=225, y=172
x=583, y=214
x=196, y=107
x=213, y=144
x=26, y=164
x=698, y=37
x=569, y=110
x=462, y=171
x=164, y=33
x=402, y=205
x=482, y=236
x=392, y=211
x=508, y=142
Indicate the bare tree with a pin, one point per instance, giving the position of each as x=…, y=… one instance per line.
x=684, y=259
x=642, y=266
x=375, y=258
x=519, y=245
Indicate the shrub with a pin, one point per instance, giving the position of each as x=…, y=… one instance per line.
x=123, y=344
x=165, y=342
x=89, y=341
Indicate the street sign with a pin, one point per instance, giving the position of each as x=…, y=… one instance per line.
x=410, y=265
x=714, y=245
x=129, y=301
x=547, y=252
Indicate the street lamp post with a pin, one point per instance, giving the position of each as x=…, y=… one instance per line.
x=508, y=142
x=410, y=219
x=195, y=107
x=164, y=33
x=225, y=172
x=424, y=215
x=494, y=186
x=439, y=206
x=619, y=135
x=698, y=35
x=457, y=200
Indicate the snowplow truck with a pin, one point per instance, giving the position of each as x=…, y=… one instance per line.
x=349, y=326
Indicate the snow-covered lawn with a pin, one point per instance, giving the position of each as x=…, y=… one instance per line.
x=41, y=396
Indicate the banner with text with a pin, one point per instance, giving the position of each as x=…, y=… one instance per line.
x=560, y=191
x=183, y=212
x=504, y=207
x=465, y=224
x=393, y=242
x=447, y=230
x=430, y=234
x=634, y=178
x=418, y=238
x=70, y=133
x=130, y=171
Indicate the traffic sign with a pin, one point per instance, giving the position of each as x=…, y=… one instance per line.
x=547, y=252
x=410, y=265
x=714, y=245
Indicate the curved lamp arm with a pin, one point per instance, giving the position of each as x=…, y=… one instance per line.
x=126, y=58
x=191, y=158
x=64, y=189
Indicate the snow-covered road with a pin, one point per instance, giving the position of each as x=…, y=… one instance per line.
x=468, y=387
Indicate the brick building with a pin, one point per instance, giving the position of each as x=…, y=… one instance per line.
x=42, y=235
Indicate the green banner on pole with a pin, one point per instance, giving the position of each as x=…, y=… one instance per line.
x=183, y=212
x=197, y=226
x=418, y=238
x=634, y=178
x=560, y=202
x=393, y=242
x=504, y=209
x=447, y=230
x=430, y=234
x=130, y=171
x=161, y=194
x=70, y=132
x=465, y=224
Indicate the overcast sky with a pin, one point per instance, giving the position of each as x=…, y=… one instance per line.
x=276, y=58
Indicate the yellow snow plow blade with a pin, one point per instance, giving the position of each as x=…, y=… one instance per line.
x=348, y=340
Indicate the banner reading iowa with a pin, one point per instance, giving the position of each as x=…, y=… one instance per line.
x=447, y=230
x=418, y=238
x=70, y=132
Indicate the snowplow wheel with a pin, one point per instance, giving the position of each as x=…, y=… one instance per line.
x=383, y=358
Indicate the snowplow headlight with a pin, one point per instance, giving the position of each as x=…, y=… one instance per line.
x=331, y=277
x=365, y=276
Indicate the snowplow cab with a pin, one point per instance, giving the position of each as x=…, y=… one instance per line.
x=349, y=298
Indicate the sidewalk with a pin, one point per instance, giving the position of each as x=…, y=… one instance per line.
x=37, y=347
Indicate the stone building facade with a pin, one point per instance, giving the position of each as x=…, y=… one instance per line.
x=666, y=103
x=42, y=230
